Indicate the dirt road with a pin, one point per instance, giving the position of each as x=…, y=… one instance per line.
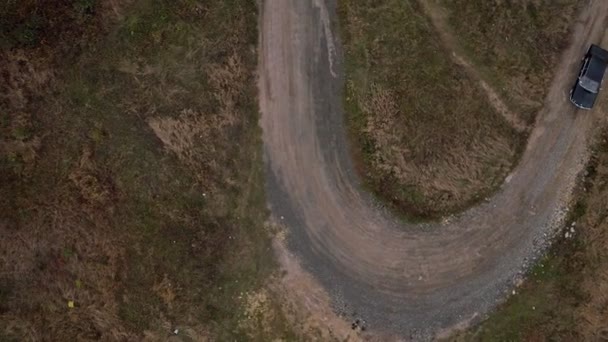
x=410, y=280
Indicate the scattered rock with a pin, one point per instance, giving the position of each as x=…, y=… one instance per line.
x=358, y=324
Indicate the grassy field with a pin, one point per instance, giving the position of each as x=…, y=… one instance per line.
x=131, y=182
x=515, y=44
x=564, y=298
x=425, y=136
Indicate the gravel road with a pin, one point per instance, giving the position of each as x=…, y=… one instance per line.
x=412, y=280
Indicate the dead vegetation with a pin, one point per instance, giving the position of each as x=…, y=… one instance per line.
x=450, y=177
x=515, y=44
x=564, y=298
x=427, y=127
x=437, y=16
x=426, y=137
x=593, y=254
x=187, y=134
x=94, y=185
x=131, y=200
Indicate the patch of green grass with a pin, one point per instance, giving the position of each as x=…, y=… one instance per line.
x=425, y=137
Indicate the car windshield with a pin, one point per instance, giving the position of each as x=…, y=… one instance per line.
x=589, y=84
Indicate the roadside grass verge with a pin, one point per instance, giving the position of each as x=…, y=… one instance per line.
x=564, y=297
x=515, y=44
x=425, y=138
x=132, y=196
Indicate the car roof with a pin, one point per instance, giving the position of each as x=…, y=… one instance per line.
x=582, y=97
x=589, y=84
x=598, y=52
x=595, y=69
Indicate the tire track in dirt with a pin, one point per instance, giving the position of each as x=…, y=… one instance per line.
x=403, y=279
x=438, y=18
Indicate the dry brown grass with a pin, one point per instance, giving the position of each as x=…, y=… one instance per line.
x=425, y=137
x=428, y=139
x=54, y=253
x=23, y=76
x=55, y=247
x=592, y=313
x=94, y=187
x=515, y=44
x=566, y=295
x=185, y=134
x=131, y=171
x=443, y=180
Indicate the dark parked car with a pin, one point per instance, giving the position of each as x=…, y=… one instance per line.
x=589, y=80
